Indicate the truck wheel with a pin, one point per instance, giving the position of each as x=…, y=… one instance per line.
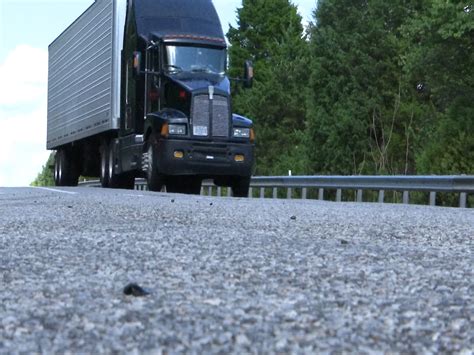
x=65, y=168
x=240, y=187
x=154, y=178
x=117, y=181
x=104, y=168
x=57, y=169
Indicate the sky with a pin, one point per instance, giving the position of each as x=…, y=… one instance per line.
x=27, y=27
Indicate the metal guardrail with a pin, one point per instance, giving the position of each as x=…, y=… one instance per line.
x=462, y=185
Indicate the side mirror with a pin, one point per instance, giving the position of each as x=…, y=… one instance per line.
x=248, y=74
x=137, y=63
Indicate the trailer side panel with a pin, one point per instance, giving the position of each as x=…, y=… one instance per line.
x=84, y=75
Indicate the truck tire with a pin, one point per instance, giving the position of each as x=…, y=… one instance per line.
x=118, y=181
x=65, y=168
x=104, y=161
x=154, y=178
x=240, y=187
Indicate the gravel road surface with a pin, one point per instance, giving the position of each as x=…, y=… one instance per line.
x=231, y=275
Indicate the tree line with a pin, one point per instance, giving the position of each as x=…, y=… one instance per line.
x=369, y=87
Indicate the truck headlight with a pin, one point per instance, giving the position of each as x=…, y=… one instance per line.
x=242, y=132
x=177, y=129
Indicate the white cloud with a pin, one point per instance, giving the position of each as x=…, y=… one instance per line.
x=23, y=95
x=23, y=75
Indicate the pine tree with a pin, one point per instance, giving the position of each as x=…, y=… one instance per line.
x=270, y=33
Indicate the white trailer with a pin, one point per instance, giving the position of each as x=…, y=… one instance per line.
x=84, y=75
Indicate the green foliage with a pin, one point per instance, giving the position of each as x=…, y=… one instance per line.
x=442, y=51
x=451, y=151
x=45, y=177
x=441, y=59
x=362, y=109
x=271, y=35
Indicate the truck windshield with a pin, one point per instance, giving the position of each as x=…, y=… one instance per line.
x=195, y=59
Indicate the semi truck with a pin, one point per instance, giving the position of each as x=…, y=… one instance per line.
x=138, y=88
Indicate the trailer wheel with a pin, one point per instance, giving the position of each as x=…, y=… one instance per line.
x=240, y=186
x=154, y=178
x=104, y=168
x=65, y=168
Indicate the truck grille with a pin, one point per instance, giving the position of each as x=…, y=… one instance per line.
x=205, y=110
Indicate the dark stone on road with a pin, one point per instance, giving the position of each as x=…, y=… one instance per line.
x=135, y=290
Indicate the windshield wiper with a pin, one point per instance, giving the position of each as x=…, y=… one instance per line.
x=204, y=69
x=173, y=69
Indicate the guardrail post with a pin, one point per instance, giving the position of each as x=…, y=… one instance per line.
x=406, y=197
x=462, y=185
x=250, y=192
x=289, y=192
x=321, y=194
x=381, y=196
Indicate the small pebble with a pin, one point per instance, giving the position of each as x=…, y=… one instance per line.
x=135, y=290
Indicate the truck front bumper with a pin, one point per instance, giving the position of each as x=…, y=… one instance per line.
x=209, y=159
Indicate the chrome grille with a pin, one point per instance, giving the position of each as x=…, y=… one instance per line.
x=220, y=117
x=201, y=113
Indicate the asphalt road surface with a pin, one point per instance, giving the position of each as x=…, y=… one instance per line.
x=231, y=275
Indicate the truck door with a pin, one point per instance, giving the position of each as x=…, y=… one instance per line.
x=134, y=101
x=152, y=81
x=130, y=97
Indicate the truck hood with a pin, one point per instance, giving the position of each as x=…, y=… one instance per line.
x=199, y=81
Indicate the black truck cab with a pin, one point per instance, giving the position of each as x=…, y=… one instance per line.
x=177, y=125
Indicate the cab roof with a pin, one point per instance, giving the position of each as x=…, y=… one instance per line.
x=178, y=19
